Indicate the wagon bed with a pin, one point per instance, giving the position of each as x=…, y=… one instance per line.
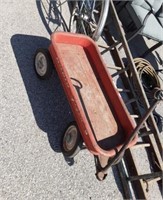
x=97, y=110
x=96, y=105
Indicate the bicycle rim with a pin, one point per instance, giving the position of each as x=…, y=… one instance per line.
x=89, y=17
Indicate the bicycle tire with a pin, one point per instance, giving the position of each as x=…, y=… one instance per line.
x=80, y=15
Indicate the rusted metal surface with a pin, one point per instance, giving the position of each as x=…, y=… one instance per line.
x=146, y=176
x=149, y=135
x=124, y=181
x=89, y=92
x=138, y=186
x=105, y=165
x=135, y=74
x=96, y=104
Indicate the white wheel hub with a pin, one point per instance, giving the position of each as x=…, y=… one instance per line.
x=41, y=64
x=70, y=138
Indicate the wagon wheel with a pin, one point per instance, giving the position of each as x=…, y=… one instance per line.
x=72, y=141
x=43, y=64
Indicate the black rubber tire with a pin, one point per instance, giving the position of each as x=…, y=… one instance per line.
x=100, y=23
x=74, y=148
x=48, y=68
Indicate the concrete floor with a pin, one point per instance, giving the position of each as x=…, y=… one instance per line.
x=34, y=115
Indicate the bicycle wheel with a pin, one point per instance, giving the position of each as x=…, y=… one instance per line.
x=51, y=15
x=89, y=17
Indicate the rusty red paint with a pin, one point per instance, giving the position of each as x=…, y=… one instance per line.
x=99, y=111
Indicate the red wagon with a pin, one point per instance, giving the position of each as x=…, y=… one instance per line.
x=102, y=120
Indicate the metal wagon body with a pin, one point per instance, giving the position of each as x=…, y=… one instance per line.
x=99, y=111
x=102, y=121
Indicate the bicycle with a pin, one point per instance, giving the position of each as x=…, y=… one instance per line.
x=89, y=17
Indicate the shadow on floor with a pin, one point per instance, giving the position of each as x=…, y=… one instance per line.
x=138, y=46
x=51, y=15
x=48, y=101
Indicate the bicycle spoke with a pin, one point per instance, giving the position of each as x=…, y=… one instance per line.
x=86, y=16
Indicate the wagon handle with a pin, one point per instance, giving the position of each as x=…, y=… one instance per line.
x=158, y=96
